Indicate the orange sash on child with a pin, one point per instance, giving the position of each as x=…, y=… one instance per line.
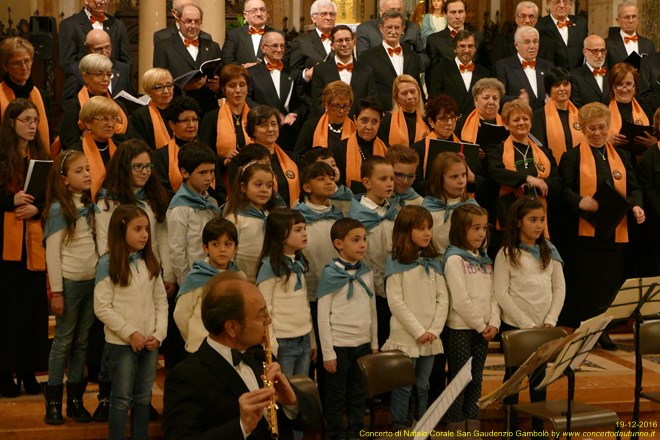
x=399, y=129
x=7, y=95
x=320, y=138
x=555, y=129
x=471, y=127
x=161, y=136
x=120, y=127
x=354, y=158
x=96, y=165
x=225, y=141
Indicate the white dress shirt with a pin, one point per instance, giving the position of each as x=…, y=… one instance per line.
x=467, y=75
x=192, y=49
x=275, y=75
x=632, y=46
x=598, y=78
x=396, y=60
x=531, y=76
x=562, y=31
x=345, y=75
x=96, y=25
x=256, y=41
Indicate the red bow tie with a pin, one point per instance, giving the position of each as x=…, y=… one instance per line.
x=464, y=67
x=347, y=66
x=567, y=23
x=600, y=72
x=188, y=42
x=101, y=18
x=396, y=50
x=530, y=64
x=325, y=37
x=253, y=31
x=627, y=40
x=278, y=65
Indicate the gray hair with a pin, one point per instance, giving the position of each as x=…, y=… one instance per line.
x=625, y=5
x=315, y=6
x=487, y=83
x=95, y=62
x=179, y=12
x=523, y=30
x=527, y=4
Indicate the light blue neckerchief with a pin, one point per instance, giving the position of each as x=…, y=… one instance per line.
x=368, y=217
x=334, y=278
x=103, y=266
x=312, y=216
x=400, y=199
x=56, y=221
x=481, y=260
x=393, y=266
x=342, y=193
x=296, y=266
x=536, y=251
x=435, y=204
x=187, y=197
x=200, y=273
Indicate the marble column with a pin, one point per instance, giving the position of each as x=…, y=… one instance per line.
x=153, y=17
x=214, y=19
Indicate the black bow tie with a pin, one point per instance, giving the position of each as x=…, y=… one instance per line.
x=237, y=356
x=349, y=266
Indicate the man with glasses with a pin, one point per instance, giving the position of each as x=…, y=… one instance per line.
x=243, y=44
x=98, y=41
x=342, y=66
x=564, y=33
x=272, y=84
x=527, y=14
x=185, y=51
x=74, y=29
x=166, y=33
x=626, y=41
x=589, y=82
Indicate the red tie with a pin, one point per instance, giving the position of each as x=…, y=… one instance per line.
x=396, y=50
x=100, y=18
x=347, y=66
x=627, y=40
x=600, y=72
x=325, y=37
x=188, y=42
x=567, y=23
x=278, y=65
x=253, y=31
x=469, y=67
x=530, y=64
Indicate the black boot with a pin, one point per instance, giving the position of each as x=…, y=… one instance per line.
x=53, y=394
x=103, y=410
x=29, y=383
x=153, y=413
x=74, y=402
x=606, y=343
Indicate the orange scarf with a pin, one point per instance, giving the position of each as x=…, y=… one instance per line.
x=555, y=130
x=173, y=171
x=471, y=127
x=290, y=172
x=354, y=158
x=121, y=127
x=615, y=116
x=225, y=141
x=399, y=129
x=7, y=95
x=427, y=142
x=321, y=132
x=161, y=136
x=96, y=165
x=589, y=183
x=541, y=162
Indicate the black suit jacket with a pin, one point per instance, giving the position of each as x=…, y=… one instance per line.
x=510, y=72
x=569, y=56
x=362, y=83
x=649, y=81
x=166, y=33
x=201, y=400
x=306, y=51
x=384, y=73
x=368, y=36
x=238, y=48
x=72, y=34
x=584, y=88
x=172, y=54
x=616, y=50
x=121, y=80
x=438, y=48
x=504, y=47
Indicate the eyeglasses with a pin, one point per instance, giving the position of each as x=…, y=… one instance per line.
x=191, y=121
x=343, y=41
x=141, y=167
x=275, y=46
x=593, y=129
x=29, y=121
x=340, y=107
x=255, y=11
x=625, y=85
x=108, y=119
x=596, y=51
x=189, y=21
x=404, y=176
x=101, y=75
x=20, y=63
x=161, y=87
x=326, y=14
x=445, y=119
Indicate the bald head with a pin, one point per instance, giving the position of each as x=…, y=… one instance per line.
x=594, y=51
x=98, y=41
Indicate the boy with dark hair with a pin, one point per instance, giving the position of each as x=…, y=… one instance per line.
x=343, y=195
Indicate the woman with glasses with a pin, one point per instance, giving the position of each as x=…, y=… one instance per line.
x=24, y=311
x=147, y=122
x=362, y=144
x=16, y=55
x=334, y=125
x=624, y=84
x=594, y=261
x=405, y=124
x=96, y=72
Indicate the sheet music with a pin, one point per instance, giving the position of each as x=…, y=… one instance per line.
x=629, y=295
x=434, y=413
x=594, y=328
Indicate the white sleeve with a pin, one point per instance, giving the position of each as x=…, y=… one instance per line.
x=461, y=303
x=267, y=289
x=54, y=260
x=441, y=305
x=399, y=308
x=325, y=331
x=374, y=323
x=177, y=227
x=161, y=305
x=164, y=251
x=104, y=293
x=101, y=224
x=494, y=318
x=502, y=285
x=558, y=293
x=184, y=311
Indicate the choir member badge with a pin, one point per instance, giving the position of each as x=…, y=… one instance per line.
x=617, y=174
x=576, y=126
x=290, y=174
x=540, y=166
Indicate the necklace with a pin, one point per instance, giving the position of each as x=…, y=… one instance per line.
x=237, y=118
x=602, y=154
x=524, y=161
x=334, y=130
x=103, y=149
x=361, y=153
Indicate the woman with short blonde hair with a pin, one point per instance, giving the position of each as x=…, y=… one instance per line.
x=405, y=124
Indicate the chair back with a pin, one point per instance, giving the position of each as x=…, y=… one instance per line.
x=386, y=371
x=649, y=334
x=306, y=385
x=518, y=345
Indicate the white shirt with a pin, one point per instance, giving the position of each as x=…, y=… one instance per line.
x=631, y=46
x=96, y=25
x=562, y=31
x=192, y=49
x=275, y=75
x=256, y=41
x=326, y=43
x=467, y=75
x=531, y=76
x=345, y=75
x=396, y=60
x=598, y=78
x=380, y=210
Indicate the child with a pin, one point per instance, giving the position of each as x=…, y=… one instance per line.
x=404, y=160
x=71, y=258
x=191, y=207
x=251, y=198
x=347, y=327
x=130, y=299
x=446, y=191
x=474, y=316
x=219, y=241
x=281, y=280
x=343, y=196
x=528, y=280
x=376, y=213
x=417, y=297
